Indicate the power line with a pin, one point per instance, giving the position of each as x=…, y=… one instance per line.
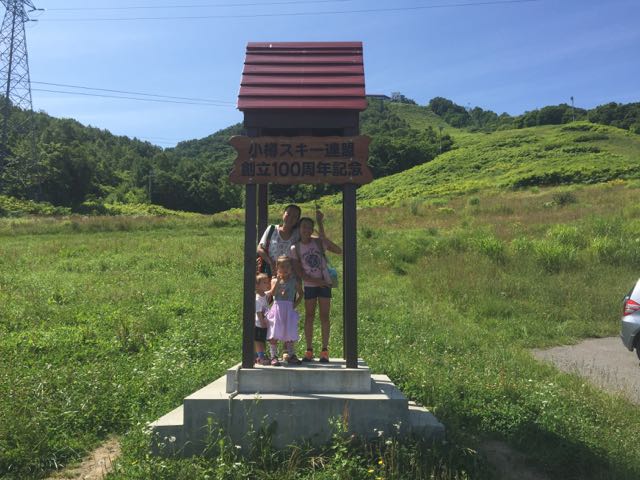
x=296, y=14
x=202, y=5
x=130, y=98
x=191, y=99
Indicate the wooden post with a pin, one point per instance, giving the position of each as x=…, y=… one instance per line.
x=350, y=283
x=249, y=303
x=263, y=193
x=263, y=208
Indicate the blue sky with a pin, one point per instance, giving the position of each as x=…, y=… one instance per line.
x=507, y=57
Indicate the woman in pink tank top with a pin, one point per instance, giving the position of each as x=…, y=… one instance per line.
x=310, y=264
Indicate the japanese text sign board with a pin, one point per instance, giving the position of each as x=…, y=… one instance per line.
x=293, y=160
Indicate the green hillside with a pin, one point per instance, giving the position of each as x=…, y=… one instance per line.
x=420, y=117
x=581, y=153
x=84, y=169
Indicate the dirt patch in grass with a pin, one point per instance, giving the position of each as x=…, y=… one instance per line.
x=94, y=466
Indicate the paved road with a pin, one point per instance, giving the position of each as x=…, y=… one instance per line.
x=604, y=361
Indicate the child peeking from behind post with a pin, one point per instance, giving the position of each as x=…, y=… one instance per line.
x=263, y=285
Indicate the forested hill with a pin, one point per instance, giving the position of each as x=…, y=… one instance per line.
x=83, y=167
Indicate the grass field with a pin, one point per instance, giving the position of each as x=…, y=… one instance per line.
x=107, y=323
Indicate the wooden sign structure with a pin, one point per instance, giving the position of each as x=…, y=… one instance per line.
x=301, y=103
x=296, y=160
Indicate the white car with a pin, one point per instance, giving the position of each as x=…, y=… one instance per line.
x=630, y=330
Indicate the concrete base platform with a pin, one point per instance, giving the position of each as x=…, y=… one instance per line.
x=312, y=377
x=294, y=404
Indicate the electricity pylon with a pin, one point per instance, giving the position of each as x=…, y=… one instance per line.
x=15, y=83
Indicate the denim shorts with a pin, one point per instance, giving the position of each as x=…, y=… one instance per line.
x=317, y=292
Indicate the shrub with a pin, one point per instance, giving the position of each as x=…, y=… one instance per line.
x=439, y=202
x=579, y=127
x=606, y=226
x=606, y=250
x=129, y=333
x=577, y=149
x=13, y=207
x=457, y=241
x=414, y=207
x=567, y=235
x=407, y=249
x=521, y=246
x=551, y=146
x=554, y=257
x=492, y=247
x=616, y=251
x=368, y=232
x=446, y=211
x=591, y=137
x=564, y=198
x=94, y=207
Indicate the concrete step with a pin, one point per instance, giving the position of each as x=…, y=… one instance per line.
x=168, y=431
x=308, y=377
x=207, y=409
x=424, y=424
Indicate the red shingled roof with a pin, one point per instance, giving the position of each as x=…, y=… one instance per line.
x=303, y=75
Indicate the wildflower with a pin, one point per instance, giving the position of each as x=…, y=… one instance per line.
x=380, y=433
x=172, y=439
x=380, y=462
x=370, y=470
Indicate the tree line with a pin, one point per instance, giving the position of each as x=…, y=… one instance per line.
x=625, y=116
x=82, y=167
x=71, y=165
